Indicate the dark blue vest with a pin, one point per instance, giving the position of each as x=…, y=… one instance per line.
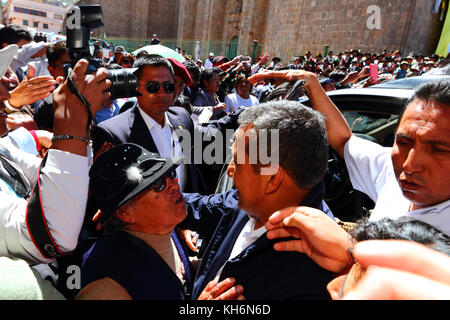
x=136, y=267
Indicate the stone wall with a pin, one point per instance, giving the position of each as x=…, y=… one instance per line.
x=296, y=26
x=139, y=19
x=424, y=29
x=281, y=27
x=290, y=27
x=162, y=18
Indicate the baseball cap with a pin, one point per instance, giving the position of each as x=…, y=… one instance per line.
x=123, y=172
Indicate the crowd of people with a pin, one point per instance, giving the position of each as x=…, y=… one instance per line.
x=108, y=186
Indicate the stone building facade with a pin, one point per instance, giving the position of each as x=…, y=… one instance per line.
x=281, y=27
x=290, y=27
x=139, y=18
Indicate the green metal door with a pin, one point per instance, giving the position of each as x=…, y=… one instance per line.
x=232, y=49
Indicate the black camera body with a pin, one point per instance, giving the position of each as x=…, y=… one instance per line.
x=80, y=20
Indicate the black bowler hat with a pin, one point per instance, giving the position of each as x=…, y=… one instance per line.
x=123, y=172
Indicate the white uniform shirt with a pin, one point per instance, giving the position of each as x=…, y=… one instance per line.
x=166, y=142
x=371, y=171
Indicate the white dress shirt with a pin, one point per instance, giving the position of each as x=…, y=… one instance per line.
x=64, y=192
x=246, y=238
x=371, y=171
x=166, y=142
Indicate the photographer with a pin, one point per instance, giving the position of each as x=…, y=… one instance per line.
x=46, y=224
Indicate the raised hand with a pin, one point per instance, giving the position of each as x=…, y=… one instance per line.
x=317, y=236
x=31, y=89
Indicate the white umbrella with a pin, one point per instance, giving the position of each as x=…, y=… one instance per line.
x=160, y=50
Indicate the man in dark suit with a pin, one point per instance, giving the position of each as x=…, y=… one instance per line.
x=151, y=122
x=237, y=246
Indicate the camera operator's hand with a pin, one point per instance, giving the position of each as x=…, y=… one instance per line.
x=71, y=116
x=31, y=89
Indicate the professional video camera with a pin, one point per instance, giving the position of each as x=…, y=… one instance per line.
x=80, y=21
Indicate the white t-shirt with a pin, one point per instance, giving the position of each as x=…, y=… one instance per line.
x=234, y=101
x=371, y=171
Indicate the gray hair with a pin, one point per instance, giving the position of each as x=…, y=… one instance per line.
x=303, y=143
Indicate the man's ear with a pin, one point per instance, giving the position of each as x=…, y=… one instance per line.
x=274, y=181
x=125, y=214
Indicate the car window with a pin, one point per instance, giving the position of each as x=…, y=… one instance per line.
x=365, y=122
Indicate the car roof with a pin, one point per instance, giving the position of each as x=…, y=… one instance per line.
x=387, y=97
x=371, y=92
x=368, y=99
x=409, y=83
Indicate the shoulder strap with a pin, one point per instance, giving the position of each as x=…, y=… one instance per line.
x=13, y=179
x=37, y=223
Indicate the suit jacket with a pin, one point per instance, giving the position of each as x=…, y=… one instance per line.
x=264, y=273
x=130, y=127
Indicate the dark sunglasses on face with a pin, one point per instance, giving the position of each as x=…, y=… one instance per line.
x=153, y=86
x=160, y=184
x=126, y=61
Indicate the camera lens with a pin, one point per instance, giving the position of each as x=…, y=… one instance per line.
x=124, y=83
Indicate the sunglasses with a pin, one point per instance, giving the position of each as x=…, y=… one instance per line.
x=126, y=61
x=160, y=184
x=153, y=86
